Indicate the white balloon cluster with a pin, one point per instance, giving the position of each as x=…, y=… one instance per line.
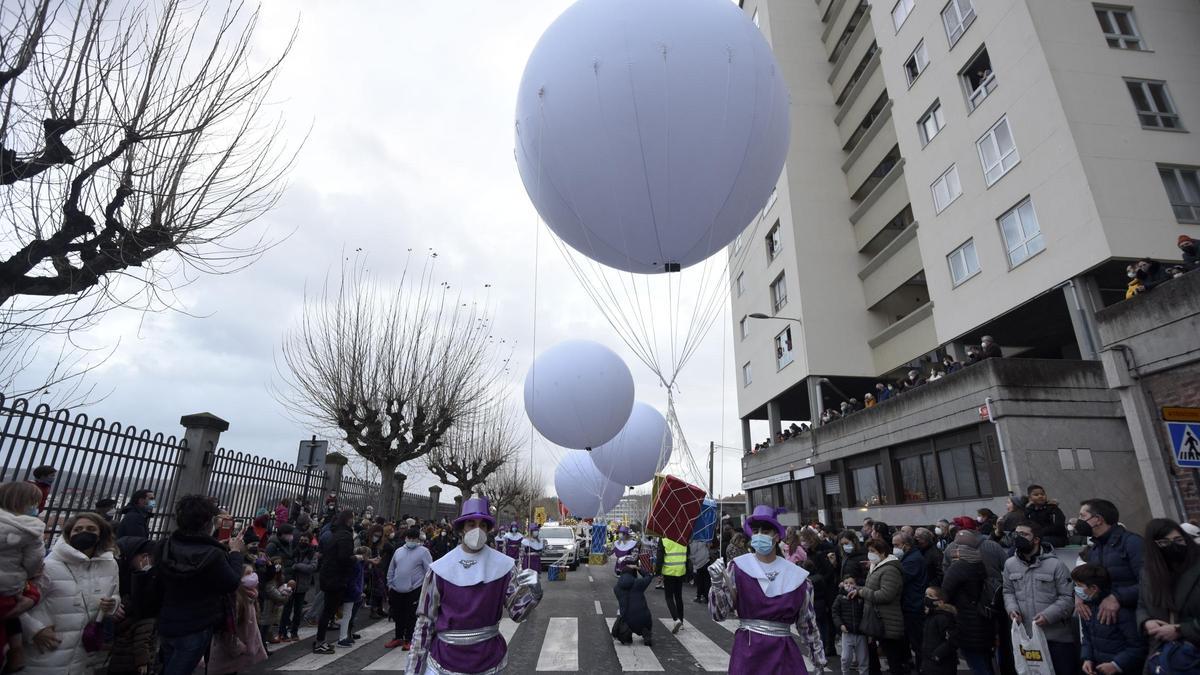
x=581, y=487
x=639, y=451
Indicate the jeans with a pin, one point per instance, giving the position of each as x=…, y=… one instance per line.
x=347, y=627
x=404, y=612
x=293, y=611
x=854, y=653
x=980, y=662
x=1064, y=656
x=180, y=655
x=333, y=602
x=673, y=588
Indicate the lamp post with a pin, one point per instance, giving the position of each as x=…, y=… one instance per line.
x=760, y=315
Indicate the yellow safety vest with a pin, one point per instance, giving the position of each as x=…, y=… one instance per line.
x=674, y=559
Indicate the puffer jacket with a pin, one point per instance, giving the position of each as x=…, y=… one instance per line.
x=938, y=653
x=1042, y=586
x=1052, y=521
x=21, y=552
x=855, y=565
x=1121, y=643
x=847, y=612
x=1120, y=552
x=337, y=558
x=135, y=522
x=912, y=566
x=882, y=591
x=284, y=551
x=75, y=585
x=273, y=601
x=963, y=584
x=197, y=575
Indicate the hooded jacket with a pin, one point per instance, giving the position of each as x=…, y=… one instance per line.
x=196, y=574
x=135, y=522
x=631, y=598
x=21, y=551
x=134, y=643
x=1121, y=643
x=1052, y=521
x=337, y=558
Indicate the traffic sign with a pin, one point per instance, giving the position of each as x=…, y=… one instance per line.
x=1181, y=414
x=1185, y=443
x=983, y=412
x=539, y=515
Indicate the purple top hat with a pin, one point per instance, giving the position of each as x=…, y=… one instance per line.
x=475, y=508
x=622, y=530
x=764, y=514
x=534, y=528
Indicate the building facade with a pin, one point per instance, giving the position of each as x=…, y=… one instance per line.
x=959, y=168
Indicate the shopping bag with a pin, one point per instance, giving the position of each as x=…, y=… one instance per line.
x=1030, y=651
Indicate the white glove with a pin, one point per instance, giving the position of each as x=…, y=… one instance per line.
x=716, y=571
x=529, y=580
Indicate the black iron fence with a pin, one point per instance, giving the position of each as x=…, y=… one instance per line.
x=245, y=484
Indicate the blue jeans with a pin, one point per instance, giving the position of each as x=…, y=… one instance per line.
x=979, y=662
x=180, y=655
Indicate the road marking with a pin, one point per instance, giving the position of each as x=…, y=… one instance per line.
x=707, y=653
x=318, y=661
x=560, y=645
x=591, y=580
x=598, y=610
x=635, y=657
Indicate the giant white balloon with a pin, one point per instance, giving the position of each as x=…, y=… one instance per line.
x=638, y=451
x=650, y=132
x=578, y=394
x=582, y=489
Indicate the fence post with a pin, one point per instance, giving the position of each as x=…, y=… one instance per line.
x=202, y=433
x=435, y=496
x=333, y=469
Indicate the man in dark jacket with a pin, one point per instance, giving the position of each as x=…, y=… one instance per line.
x=1190, y=248
x=135, y=517
x=1116, y=550
x=1048, y=517
x=197, y=574
x=631, y=599
x=337, y=567
x=927, y=545
x=912, y=598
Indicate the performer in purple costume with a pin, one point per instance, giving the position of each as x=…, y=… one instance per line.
x=531, y=550
x=463, y=598
x=769, y=595
x=625, y=545
x=512, y=541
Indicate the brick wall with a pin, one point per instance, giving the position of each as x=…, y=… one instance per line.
x=1178, y=387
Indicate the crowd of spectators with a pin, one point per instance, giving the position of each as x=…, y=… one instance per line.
x=1147, y=274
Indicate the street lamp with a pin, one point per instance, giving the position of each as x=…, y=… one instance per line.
x=760, y=315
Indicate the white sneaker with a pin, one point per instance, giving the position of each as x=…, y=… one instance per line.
x=677, y=626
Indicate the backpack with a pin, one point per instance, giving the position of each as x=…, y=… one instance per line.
x=991, y=597
x=1175, y=658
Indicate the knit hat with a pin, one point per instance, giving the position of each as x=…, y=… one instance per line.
x=965, y=523
x=1183, y=239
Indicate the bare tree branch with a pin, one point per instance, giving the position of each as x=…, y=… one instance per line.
x=476, y=447
x=513, y=489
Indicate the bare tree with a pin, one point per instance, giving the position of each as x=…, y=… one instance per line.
x=476, y=447
x=513, y=489
x=390, y=370
x=134, y=147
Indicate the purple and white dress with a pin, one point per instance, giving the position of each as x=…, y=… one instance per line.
x=768, y=598
x=531, y=554
x=620, y=549
x=462, y=600
x=512, y=544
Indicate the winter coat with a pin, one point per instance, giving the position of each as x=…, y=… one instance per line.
x=1120, y=552
x=197, y=575
x=74, y=586
x=304, y=565
x=1186, y=596
x=337, y=558
x=22, y=551
x=273, y=601
x=134, y=641
x=939, y=654
x=912, y=568
x=1191, y=259
x=1052, y=521
x=1121, y=643
x=237, y=652
x=698, y=554
x=963, y=585
x=1044, y=587
x=284, y=551
x=824, y=580
x=855, y=565
x=355, y=583
x=882, y=591
x=847, y=612
x=1134, y=287
x=135, y=522
x=933, y=566
x=281, y=514
x=631, y=599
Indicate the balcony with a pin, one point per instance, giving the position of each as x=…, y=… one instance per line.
x=867, y=177
x=849, y=19
x=904, y=340
x=851, y=116
x=857, y=42
x=893, y=266
x=878, y=140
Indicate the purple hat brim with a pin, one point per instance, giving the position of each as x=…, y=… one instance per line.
x=475, y=516
x=763, y=519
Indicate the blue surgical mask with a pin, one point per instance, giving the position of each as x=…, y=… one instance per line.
x=411, y=544
x=762, y=543
x=32, y=511
x=152, y=504
x=1082, y=593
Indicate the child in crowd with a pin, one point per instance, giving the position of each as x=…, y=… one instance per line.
x=275, y=594
x=240, y=649
x=1107, y=648
x=21, y=556
x=938, y=653
x=847, y=616
x=354, y=597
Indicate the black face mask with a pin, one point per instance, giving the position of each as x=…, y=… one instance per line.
x=1023, y=545
x=84, y=541
x=1083, y=528
x=1175, y=552
x=930, y=604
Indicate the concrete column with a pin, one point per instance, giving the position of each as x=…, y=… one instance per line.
x=435, y=496
x=773, y=419
x=1083, y=299
x=1143, y=431
x=815, y=400
x=458, y=500
x=747, y=441
x=202, y=436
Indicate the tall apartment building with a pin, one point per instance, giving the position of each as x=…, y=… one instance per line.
x=960, y=168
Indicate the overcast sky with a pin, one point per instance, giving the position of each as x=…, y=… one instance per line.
x=410, y=106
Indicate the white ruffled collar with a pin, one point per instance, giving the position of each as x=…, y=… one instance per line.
x=776, y=578
x=628, y=545
x=462, y=568
x=535, y=544
x=513, y=536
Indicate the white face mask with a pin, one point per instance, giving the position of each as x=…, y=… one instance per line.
x=937, y=531
x=873, y=557
x=475, y=539
x=898, y=552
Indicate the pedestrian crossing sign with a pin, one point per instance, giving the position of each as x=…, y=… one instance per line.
x=1185, y=443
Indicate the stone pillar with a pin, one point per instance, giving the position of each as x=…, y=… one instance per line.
x=435, y=497
x=747, y=441
x=815, y=399
x=1083, y=299
x=333, y=470
x=458, y=500
x=202, y=435
x=773, y=419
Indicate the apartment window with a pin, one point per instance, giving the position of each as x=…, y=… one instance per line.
x=997, y=151
x=900, y=12
x=866, y=486
x=783, y=348
x=1119, y=28
x=1022, y=234
x=957, y=16
x=912, y=480
x=931, y=123
x=744, y=327
x=1153, y=102
x=779, y=292
x=946, y=189
x=774, y=242
x=747, y=374
x=960, y=475
x=964, y=263
x=978, y=79
x=740, y=284
x=1183, y=189
x=916, y=63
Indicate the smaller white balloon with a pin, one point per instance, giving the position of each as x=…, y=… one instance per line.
x=578, y=394
x=581, y=487
x=639, y=451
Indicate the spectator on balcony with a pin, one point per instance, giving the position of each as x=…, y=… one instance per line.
x=855, y=405
x=868, y=400
x=846, y=409
x=1137, y=281
x=883, y=391
x=1190, y=248
x=912, y=381
x=989, y=349
x=935, y=375
x=135, y=517
x=949, y=365
x=1046, y=515
x=1152, y=273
